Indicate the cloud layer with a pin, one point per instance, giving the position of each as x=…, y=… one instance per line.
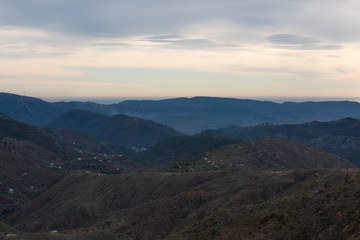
x=305, y=42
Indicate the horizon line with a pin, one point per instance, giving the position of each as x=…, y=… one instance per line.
x=118, y=99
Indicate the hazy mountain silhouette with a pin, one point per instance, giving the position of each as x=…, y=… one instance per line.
x=187, y=115
x=192, y=115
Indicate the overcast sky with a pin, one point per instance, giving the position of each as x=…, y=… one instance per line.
x=163, y=48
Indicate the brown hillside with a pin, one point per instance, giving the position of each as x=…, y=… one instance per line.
x=154, y=205
x=26, y=171
x=265, y=153
x=274, y=153
x=330, y=213
x=31, y=160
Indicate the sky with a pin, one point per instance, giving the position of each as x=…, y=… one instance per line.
x=58, y=49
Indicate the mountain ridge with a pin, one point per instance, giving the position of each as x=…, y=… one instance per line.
x=187, y=115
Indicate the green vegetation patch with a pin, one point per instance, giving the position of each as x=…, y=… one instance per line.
x=6, y=228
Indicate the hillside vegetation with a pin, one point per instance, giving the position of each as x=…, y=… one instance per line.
x=32, y=160
x=121, y=129
x=182, y=148
x=265, y=153
x=330, y=213
x=228, y=204
x=97, y=174
x=88, y=142
x=341, y=137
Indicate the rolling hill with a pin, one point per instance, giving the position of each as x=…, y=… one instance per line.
x=181, y=147
x=265, y=153
x=245, y=181
x=31, y=160
x=275, y=153
x=27, y=109
x=341, y=137
x=85, y=141
x=38, y=112
x=329, y=213
x=121, y=129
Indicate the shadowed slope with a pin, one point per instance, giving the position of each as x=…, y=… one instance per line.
x=340, y=137
x=264, y=153
x=182, y=147
x=125, y=130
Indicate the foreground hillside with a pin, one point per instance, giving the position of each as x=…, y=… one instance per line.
x=236, y=203
x=329, y=213
x=156, y=202
x=97, y=235
x=341, y=137
x=121, y=129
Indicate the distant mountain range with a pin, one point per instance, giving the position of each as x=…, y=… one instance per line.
x=187, y=115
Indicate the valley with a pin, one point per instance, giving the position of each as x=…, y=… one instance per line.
x=88, y=175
